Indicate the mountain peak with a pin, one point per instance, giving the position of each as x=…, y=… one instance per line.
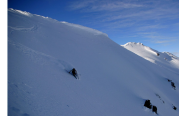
x=165, y=59
x=132, y=43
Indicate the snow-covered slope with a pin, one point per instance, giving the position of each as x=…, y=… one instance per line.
x=112, y=80
x=163, y=59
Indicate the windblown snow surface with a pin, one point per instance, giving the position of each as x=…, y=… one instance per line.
x=112, y=80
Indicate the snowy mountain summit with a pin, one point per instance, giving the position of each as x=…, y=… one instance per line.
x=111, y=80
x=163, y=59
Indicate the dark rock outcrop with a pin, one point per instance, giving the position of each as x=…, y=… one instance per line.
x=175, y=108
x=154, y=109
x=150, y=106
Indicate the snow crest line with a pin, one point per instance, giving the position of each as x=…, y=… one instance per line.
x=39, y=57
x=20, y=12
x=96, y=32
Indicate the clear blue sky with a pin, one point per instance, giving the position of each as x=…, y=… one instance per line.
x=155, y=23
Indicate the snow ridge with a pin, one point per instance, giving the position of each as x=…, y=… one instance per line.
x=20, y=12
x=140, y=44
x=96, y=32
x=132, y=43
x=164, y=59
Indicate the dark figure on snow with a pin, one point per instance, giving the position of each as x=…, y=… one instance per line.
x=154, y=109
x=74, y=72
x=148, y=104
x=173, y=84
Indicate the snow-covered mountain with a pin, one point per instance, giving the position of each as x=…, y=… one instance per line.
x=163, y=59
x=112, y=80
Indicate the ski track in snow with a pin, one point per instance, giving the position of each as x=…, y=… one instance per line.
x=33, y=28
x=41, y=58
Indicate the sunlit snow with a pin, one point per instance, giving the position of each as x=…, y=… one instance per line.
x=163, y=59
x=113, y=81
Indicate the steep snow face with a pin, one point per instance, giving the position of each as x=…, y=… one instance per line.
x=163, y=59
x=112, y=80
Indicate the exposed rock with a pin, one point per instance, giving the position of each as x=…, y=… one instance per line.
x=175, y=108
x=173, y=85
x=154, y=109
x=148, y=104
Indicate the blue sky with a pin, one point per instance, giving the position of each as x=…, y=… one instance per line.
x=155, y=23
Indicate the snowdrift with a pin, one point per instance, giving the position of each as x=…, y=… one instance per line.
x=112, y=80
